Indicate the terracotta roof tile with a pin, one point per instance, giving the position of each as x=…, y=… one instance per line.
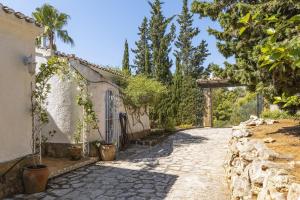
x=85, y=62
x=20, y=15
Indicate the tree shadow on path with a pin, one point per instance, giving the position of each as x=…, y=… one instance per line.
x=166, y=148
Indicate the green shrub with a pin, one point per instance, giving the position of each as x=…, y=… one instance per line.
x=230, y=107
x=221, y=123
x=186, y=126
x=277, y=114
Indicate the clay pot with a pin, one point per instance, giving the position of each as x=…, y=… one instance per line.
x=75, y=152
x=108, y=152
x=35, y=178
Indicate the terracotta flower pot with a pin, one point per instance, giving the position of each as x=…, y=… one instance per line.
x=35, y=178
x=75, y=152
x=108, y=152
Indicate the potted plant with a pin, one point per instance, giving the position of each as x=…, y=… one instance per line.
x=107, y=151
x=75, y=150
x=35, y=178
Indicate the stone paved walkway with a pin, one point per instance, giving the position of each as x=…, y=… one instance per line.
x=188, y=165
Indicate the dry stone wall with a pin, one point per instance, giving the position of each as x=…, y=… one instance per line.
x=251, y=170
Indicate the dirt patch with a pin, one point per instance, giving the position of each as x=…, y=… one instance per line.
x=286, y=134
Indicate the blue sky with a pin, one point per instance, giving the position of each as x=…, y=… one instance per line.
x=100, y=27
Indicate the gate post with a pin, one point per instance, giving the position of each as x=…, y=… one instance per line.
x=207, y=118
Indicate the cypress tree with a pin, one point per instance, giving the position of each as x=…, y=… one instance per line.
x=187, y=97
x=161, y=42
x=142, y=51
x=177, y=88
x=148, y=65
x=191, y=57
x=125, y=63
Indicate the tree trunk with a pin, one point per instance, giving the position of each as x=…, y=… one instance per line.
x=51, y=41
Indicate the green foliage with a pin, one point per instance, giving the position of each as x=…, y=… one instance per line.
x=78, y=131
x=58, y=66
x=242, y=112
x=142, y=52
x=142, y=91
x=53, y=22
x=182, y=102
x=267, y=114
x=191, y=58
x=186, y=126
x=187, y=100
x=161, y=42
x=280, y=50
x=215, y=70
x=125, y=63
x=83, y=99
x=177, y=87
x=190, y=108
x=263, y=36
x=230, y=107
x=42, y=87
x=290, y=103
x=162, y=113
x=223, y=104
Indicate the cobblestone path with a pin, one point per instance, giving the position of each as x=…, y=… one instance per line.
x=188, y=165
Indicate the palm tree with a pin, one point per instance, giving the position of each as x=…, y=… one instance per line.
x=53, y=22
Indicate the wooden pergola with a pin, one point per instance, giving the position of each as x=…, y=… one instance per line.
x=215, y=83
x=208, y=85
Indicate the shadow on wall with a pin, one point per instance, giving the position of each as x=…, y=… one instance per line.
x=55, y=142
x=166, y=148
x=54, y=133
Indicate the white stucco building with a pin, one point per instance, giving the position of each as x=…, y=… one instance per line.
x=17, y=42
x=19, y=59
x=17, y=53
x=64, y=113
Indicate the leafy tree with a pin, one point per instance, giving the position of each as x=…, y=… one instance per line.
x=53, y=22
x=161, y=42
x=263, y=35
x=230, y=107
x=141, y=91
x=191, y=57
x=125, y=63
x=142, y=52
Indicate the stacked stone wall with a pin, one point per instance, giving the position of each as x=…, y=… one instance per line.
x=252, y=171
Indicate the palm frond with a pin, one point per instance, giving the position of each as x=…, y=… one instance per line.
x=64, y=36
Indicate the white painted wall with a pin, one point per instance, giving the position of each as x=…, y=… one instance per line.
x=17, y=40
x=64, y=112
x=98, y=97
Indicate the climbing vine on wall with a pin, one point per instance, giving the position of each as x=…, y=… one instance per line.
x=41, y=88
